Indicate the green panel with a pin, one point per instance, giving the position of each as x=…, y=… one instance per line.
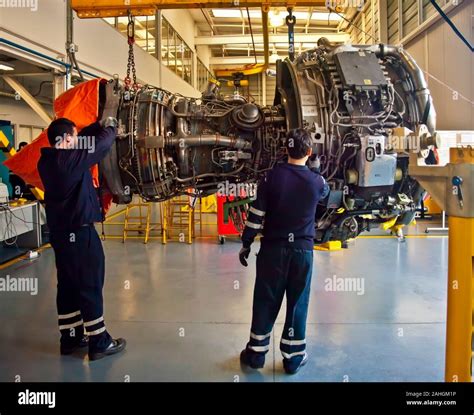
x=4, y=171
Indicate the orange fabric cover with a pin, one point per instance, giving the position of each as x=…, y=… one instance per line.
x=79, y=104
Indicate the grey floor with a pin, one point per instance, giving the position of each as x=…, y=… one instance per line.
x=185, y=311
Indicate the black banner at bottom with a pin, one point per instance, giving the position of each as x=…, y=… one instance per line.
x=143, y=398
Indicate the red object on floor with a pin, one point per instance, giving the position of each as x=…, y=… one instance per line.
x=224, y=229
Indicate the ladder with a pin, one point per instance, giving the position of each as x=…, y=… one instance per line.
x=178, y=219
x=140, y=223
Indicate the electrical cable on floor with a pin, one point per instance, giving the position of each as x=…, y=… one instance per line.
x=10, y=231
x=6, y=207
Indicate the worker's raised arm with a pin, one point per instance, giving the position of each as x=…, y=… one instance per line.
x=95, y=142
x=102, y=142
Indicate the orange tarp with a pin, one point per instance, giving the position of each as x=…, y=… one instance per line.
x=79, y=104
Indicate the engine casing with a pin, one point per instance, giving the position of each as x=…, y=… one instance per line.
x=352, y=99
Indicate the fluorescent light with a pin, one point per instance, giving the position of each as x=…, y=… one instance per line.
x=333, y=17
x=276, y=19
x=235, y=13
x=274, y=56
x=301, y=16
x=6, y=67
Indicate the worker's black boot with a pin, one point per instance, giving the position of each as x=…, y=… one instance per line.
x=116, y=346
x=252, y=359
x=292, y=366
x=71, y=348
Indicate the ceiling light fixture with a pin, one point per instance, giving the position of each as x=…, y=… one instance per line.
x=235, y=13
x=274, y=56
x=324, y=16
x=276, y=19
x=6, y=67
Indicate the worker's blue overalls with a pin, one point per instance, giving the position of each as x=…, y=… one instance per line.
x=72, y=207
x=284, y=212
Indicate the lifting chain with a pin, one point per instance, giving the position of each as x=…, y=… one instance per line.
x=290, y=22
x=131, y=82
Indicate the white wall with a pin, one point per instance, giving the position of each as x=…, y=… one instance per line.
x=183, y=23
x=102, y=50
x=204, y=53
x=440, y=52
x=18, y=112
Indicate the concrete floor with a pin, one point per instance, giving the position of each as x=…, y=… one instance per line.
x=187, y=311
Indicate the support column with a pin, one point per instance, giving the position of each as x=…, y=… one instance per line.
x=59, y=84
x=459, y=324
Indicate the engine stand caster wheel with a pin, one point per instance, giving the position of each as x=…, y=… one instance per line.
x=221, y=240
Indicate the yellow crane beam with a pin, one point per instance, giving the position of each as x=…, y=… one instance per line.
x=115, y=8
x=255, y=68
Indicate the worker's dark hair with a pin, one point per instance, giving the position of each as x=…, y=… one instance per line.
x=22, y=144
x=59, y=128
x=298, y=143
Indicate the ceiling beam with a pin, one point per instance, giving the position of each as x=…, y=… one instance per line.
x=28, y=98
x=235, y=60
x=283, y=38
x=111, y=8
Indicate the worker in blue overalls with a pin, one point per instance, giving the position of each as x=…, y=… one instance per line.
x=72, y=207
x=284, y=212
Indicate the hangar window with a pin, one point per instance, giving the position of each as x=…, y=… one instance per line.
x=175, y=53
x=203, y=75
x=145, y=31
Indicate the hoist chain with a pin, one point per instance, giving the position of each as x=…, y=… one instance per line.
x=131, y=81
x=290, y=22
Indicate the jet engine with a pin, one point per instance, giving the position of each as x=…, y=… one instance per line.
x=366, y=108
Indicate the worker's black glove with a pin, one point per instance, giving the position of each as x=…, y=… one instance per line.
x=109, y=122
x=243, y=256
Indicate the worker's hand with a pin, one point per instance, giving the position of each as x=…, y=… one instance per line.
x=243, y=256
x=109, y=122
x=314, y=164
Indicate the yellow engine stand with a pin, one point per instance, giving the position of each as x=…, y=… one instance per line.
x=329, y=246
x=460, y=287
x=459, y=325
